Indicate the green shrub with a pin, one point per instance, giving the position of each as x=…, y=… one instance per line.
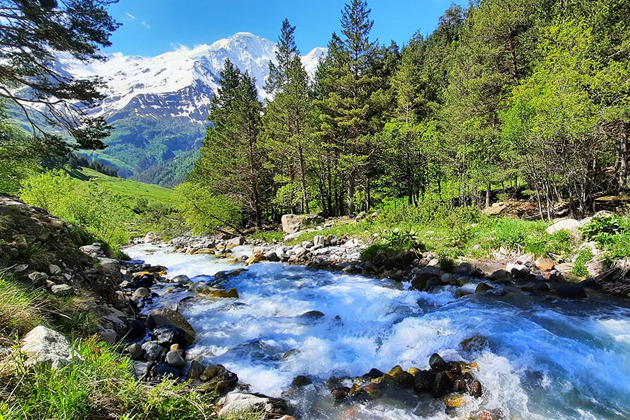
x=579, y=267
x=401, y=238
x=104, y=214
x=601, y=226
x=204, y=212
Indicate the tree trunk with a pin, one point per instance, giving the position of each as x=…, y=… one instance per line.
x=351, y=191
x=622, y=157
x=305, y=208
x=488, y=192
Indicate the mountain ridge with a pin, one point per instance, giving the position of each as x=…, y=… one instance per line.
x=159, y=105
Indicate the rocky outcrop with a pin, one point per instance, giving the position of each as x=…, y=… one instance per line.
x=44, y=251
x=451, y=382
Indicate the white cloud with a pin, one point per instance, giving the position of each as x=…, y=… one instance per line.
x=130, y=16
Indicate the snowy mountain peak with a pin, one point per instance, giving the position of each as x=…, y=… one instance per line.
x=159, y=105
x=130, y=76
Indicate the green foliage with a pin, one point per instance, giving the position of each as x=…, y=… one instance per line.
x=268, y=236
x=205, y=212
x=431, y=213
x=579, y=267
x=399, y=238
x=604, y=226
x=103, y=213
x=101, y=384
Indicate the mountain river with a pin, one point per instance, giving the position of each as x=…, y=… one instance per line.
x=545, y=358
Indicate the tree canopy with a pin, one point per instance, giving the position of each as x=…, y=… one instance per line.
x=34, y=36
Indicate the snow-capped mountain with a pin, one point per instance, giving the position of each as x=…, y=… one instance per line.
x=159, y=105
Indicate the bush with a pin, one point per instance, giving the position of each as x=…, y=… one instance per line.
x=204, y=212
x=102, y=213
x=579, y=268
x=605, y=226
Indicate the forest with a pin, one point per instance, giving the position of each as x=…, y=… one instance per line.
x=506, y=99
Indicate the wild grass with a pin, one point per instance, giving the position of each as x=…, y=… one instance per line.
x=19, y=308
x=268, y=236
x=99, y=386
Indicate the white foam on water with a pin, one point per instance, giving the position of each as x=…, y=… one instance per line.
x=545, y=359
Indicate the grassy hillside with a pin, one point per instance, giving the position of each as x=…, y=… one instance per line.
x=126, y=188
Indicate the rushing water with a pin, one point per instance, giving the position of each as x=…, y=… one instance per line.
x=545, y=359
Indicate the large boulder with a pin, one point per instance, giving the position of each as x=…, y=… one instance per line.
x=238, y=403
x=43, y=345
x=570, y=225
x=293, y=223
x=165, y=316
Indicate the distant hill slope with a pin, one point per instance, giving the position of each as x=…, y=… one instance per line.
x=159, y=105
x=127, y=188
x=170, y=172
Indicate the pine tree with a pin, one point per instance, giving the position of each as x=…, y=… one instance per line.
x=285, y=120
x=231, y=162
x=350, y=110
x=33, y=33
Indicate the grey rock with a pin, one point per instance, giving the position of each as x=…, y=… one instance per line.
x=62, y=290
x=38, y=279
x=272, y=256
x=235, y=403
x=195, y=370
x=43, y=345
x=135, y=351
x=142, y=370
x=153, y=351
x=164, y=371
x=570, y=225
x=107, y=335
x=239, y=240
x=165, y=316
x=54, y=269
x=174, y=359
x=517, y=270
x=318, y=241
x=167, y=335
x=140, y=293
x=20, y=268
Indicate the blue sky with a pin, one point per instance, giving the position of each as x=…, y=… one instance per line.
x=153, y=27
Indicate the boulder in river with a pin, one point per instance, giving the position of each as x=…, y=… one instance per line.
x=237, y=403
x=165, y=316
x=167, y=335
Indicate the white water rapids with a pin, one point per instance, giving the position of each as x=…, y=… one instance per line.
x=546, y=358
